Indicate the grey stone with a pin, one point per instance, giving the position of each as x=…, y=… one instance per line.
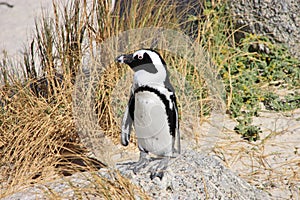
x=277, y=19
x=191, y=175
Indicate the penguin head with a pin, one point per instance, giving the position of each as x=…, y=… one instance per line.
x=144, y=59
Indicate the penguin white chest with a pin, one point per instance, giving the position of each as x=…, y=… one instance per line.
x=151, y=124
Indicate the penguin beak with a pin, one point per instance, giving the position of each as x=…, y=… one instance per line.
x=127, y=59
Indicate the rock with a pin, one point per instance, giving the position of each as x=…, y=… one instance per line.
x=277, y=19
x=189, y=176
x=194, y=176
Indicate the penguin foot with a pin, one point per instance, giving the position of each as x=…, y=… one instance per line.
x=159, y=170
x=142, y=163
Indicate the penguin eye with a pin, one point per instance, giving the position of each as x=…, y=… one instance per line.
x=140, y=57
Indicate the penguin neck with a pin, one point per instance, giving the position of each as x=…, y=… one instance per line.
x=142, y=77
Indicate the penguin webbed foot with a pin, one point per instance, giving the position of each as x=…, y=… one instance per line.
x=142, y=163
x=155, y=171
x=160, y=169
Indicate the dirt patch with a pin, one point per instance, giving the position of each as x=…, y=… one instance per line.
x=272, y=163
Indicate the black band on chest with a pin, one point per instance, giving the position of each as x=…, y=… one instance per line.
x=171, y=113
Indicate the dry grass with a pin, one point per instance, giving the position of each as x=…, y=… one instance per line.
x=38, y=134
x=274, y=171
x=271, y=164
x=39, y=139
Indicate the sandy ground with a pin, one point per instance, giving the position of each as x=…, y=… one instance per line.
x=273, y=162
x=17, y=23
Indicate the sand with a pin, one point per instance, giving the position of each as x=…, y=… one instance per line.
x=17, y=24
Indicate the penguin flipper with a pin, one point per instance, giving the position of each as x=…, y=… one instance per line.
x=127, y=121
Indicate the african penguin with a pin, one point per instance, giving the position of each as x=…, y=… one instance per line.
x=152, y=110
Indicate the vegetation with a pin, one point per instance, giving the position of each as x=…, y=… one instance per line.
x=38, y=138
x=252, y=77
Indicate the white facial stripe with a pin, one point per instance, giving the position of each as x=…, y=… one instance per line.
x=143, y=77
x=140, y=55
x=154, y=57
x=121, y=59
